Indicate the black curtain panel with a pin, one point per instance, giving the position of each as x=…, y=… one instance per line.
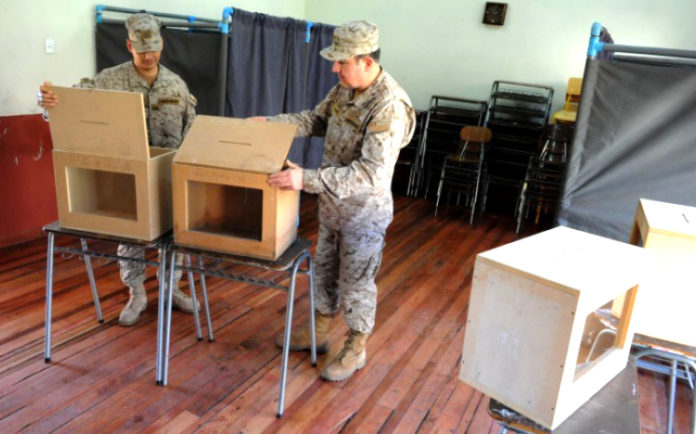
x=635, y=138
x=273, y=69
x=193, y=54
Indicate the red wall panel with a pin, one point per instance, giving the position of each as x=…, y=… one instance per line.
x=27, y=188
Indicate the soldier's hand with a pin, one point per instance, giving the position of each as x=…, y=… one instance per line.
x=290, y=178
x=46, y=97
x=258, y=118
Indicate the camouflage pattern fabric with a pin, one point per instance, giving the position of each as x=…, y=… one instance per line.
x=169, y=107
x=345, y=268
x=144, y=32
x=133, y=273
x=363, y=139
x=352, y=39
x=170, y=110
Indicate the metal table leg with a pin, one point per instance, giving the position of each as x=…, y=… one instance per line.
x=160, y=313
x=168, y=317
x=92, y=283
x=49, y=297
x=204, y=290
x=286, y=341
x=310, y=274
x=288, y=328
x=192, y=286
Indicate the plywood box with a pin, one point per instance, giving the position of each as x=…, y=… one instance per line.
x=664, y=308
x=222, y=200
x=108, y=180
x=530, y=324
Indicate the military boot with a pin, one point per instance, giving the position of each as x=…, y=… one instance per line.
x=182, y=301
x=301, y=339
x=350, y=359
x=135, y=306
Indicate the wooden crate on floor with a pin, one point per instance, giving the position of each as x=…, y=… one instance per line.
x=222, y=200
x=108, y=180
x=531, y=324
x=664, y=308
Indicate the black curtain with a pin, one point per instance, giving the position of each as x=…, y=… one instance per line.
x=272, y=69
x=193, y=54
x=635, y=138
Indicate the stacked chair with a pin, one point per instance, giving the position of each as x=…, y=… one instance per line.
x=440, y=138
x=517, y=115
x=408, y=158
x=461, y=172
x=541, y=187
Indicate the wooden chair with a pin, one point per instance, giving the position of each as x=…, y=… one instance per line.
x=461, y=172
x=570, y=109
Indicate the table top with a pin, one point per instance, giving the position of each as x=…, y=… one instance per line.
x=614, y=409
x=56, y=228
x=573, y=261
x=284, y=261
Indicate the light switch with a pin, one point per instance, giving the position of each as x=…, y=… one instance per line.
x=50, y=45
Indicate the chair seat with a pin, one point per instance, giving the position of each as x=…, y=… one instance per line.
x=565, y=116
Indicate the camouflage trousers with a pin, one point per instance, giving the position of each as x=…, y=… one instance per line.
x=345, y=267
x=133, y=273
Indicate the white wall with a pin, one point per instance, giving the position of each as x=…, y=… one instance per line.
x=441, y=47
x=70, y=23
x=431, y=47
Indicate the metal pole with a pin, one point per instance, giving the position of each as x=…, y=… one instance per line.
x=90, y=277
x=49, y=297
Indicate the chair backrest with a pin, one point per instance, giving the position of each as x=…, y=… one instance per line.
x=574, y=85
x=472, y=138
x=573, y=94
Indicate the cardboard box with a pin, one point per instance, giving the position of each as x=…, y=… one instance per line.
x=222, y=200
x=531, y=325
x=108, y=180
x=664, y=307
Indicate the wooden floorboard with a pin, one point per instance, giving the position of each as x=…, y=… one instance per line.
x=102, y=376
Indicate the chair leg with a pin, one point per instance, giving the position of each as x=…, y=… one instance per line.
x=437, y=200
x=439, y=187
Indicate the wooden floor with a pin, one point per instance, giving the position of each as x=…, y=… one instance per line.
x=102, y=376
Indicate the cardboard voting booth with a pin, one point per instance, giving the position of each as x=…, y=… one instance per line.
x=222, y=200
x=665, y=305
x=108, y=180
x=530, y=328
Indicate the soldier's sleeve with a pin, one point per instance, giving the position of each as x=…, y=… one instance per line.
x=189, y=113
x=100, y=81
x=309, y=122
x=385, y=135
x=87, y=83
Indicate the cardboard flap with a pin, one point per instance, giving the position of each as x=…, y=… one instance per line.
x=105, y=123
x=240, y=144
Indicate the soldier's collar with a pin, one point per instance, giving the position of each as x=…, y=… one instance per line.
x=367, y=94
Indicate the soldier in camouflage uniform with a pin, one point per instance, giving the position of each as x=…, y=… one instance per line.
x=366, y=119
x=170, y=110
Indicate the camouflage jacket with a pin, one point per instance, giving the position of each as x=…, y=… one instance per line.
x=169, y=107
x=363, y=139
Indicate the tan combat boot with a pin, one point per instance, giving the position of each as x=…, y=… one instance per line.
x=135, y=306
x=350, y=359
x=301, y=339
x=183, y=302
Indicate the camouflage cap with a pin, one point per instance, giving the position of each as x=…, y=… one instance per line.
x=352, y=39
x=144, y=32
